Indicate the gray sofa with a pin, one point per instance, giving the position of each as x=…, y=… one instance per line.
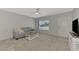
x=23, y=32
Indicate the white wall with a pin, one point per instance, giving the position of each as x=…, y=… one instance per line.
x=8, y=21
x=60, y=24
x=64, y=24
x=75, y=13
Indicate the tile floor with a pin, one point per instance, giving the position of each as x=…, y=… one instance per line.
x=42, y=43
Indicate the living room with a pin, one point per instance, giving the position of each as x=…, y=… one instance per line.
x=39, y=29
x=48, y=28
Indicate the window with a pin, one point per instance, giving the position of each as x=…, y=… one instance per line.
x=44, y=25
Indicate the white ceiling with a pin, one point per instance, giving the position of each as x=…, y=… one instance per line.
x=43, y=11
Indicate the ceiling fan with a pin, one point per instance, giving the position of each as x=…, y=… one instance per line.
x=37, y=11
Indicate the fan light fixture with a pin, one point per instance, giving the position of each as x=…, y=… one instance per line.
x=37, y=11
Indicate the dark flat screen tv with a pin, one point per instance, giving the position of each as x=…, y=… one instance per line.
x=75, y=26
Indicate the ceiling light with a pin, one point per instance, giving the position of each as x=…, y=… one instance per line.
x=37, y=11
